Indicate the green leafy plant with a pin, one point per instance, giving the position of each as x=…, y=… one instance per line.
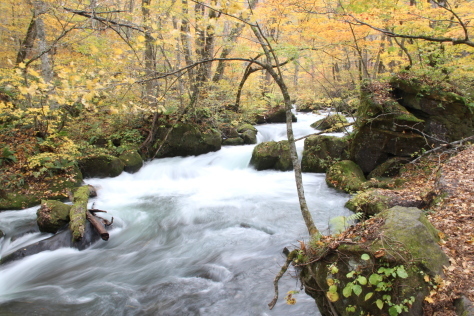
x=7, y=155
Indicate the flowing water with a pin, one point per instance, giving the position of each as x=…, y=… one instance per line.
x=191, y=236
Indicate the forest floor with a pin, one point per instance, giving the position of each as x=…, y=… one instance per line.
x=453, y=216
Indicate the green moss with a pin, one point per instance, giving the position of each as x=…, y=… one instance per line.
x=132, y=161
x=272, y=155
x=369, y=202
x=14, y=201
x=246, y=127
x=78, y=211
x=52, y=215
x=346, y=175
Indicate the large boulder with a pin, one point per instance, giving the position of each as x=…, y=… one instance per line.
x=272, y=155
x=404, y=118
x=52, y=215
x=132, y=161
x=345, y=175
x=387, y=272
x=446, y=114
x=321, y=151
x=100, y=166
x=186, y=140
x=334, y=122
x=278, y=116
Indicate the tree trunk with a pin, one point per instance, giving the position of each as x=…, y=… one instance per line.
x=78, y=212
x=278, y=77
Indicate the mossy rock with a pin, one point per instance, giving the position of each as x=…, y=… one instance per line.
x=101, y=166
x=249, y=137
x=52, y=215
x=351, y=274
x=332, y=122
x=371, y=146
x=234, y=141
x=279, y=116
x=370, y=202
x=246, y=127
x=187, y=140
x=132, y=161
x=321, y=151
x=272, y=155
x=345, y=175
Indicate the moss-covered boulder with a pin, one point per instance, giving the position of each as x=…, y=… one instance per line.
x=384, y=274
x=389, y=168
x=186, y=140
x=246, y=127
x=234, y=141
x=132, y=161
x=101, y=166
x=272, y=155
x=321, y=151
x=278, y=116
x=404, y=117
x=249, y=137
x=333, y=122
x=52, y=215
x=447, y=114
x=370, y=202
x=345, y=175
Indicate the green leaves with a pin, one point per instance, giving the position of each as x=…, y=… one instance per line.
x=365, y=257
x=375, y=278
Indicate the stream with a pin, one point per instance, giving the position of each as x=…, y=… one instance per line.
x=200, y=235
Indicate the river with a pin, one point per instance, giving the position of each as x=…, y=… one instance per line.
x=191, y=236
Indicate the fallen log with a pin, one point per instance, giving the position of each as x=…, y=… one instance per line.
x=98, y=225
x=77, y=214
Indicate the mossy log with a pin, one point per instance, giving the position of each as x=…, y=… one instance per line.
x=78, y=212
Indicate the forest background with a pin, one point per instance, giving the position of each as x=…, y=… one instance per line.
x=75, y=72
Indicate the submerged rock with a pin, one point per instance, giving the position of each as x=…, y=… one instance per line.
x=62, y=239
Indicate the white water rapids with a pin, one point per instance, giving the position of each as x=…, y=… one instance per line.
x=191, y=236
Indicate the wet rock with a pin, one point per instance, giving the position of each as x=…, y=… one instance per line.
x=101, y=166
x=278, y=116
x=132, y=161
x=234, y=141
x=272, y=155
x=52, y=215
x=187, y=140
x=62, y=239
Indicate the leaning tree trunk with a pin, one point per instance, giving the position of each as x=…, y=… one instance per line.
x=78, y=212
x=278, y=77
